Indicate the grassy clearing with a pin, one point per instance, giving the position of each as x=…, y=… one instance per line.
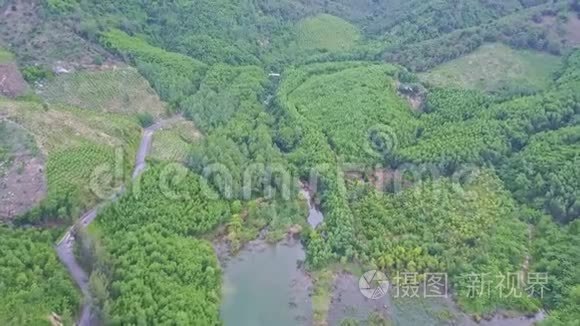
x=87, y=152
x=496, y=68
x=323, y=282
x=5, y=56
x=59, y=127
x=321, y=298
x=326, y=32
x=174, y=143
x=15, y=140
x=119, y=90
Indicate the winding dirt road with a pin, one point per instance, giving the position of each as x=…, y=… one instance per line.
x=64, y=248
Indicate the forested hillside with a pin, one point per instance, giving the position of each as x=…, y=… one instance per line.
x=34, y=285
x=440, y=226
x=147, y=233
x=434, y=136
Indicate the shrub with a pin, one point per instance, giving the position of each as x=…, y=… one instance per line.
x=145, y=119
x=34, y=74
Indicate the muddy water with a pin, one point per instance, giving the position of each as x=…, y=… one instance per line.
x=315, y=216
x=514, y=321
x=266, y=285
x=349, y=303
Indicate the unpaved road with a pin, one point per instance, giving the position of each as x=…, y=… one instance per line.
x=64, y=248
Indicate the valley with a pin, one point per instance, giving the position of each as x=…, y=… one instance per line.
x=248, y=162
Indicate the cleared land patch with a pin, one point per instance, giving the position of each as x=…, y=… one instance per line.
x=11, y=82
x=564, y=31
x=326, y=32
x=573, y=30
x=496, y=68
x=174, y=143
x=39, y=38
x=22, y=180
x=88, y=153
x=119, y=90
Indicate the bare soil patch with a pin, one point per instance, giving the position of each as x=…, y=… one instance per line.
x=573, y=30
x=348, y=301
x=174, y=142
x=12, y=84
x=107, y=88
x=414, y=95
x=22, y=185
x=37, y=38
x=22, y=178
x=567, y=32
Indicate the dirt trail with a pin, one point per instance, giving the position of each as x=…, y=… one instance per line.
x=64, y=248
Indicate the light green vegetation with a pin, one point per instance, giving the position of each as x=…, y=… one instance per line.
x=321, y=298
x=224, y=90
x=149, y=231
x=314, y=134
x=210, y=30
x=238, y=138
x=14, y=140
x=457, y=29
x=327, y=114
x=173, y=201
x=88, y=154
x=546, y=173
x=171, y=196
x=59, y=127
x=61, y=5
x=117, y=89
x=469, y=127
x=327, y=33
x=556, y=251
x=32, y=281
x=173, y=75
x=278, y=215
x=460, y=127
x=496, y=68
x=350, y=106
x=6, y=56
x=323, y=283
x=445, y=226
x=174, y=142
x=339, y=112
